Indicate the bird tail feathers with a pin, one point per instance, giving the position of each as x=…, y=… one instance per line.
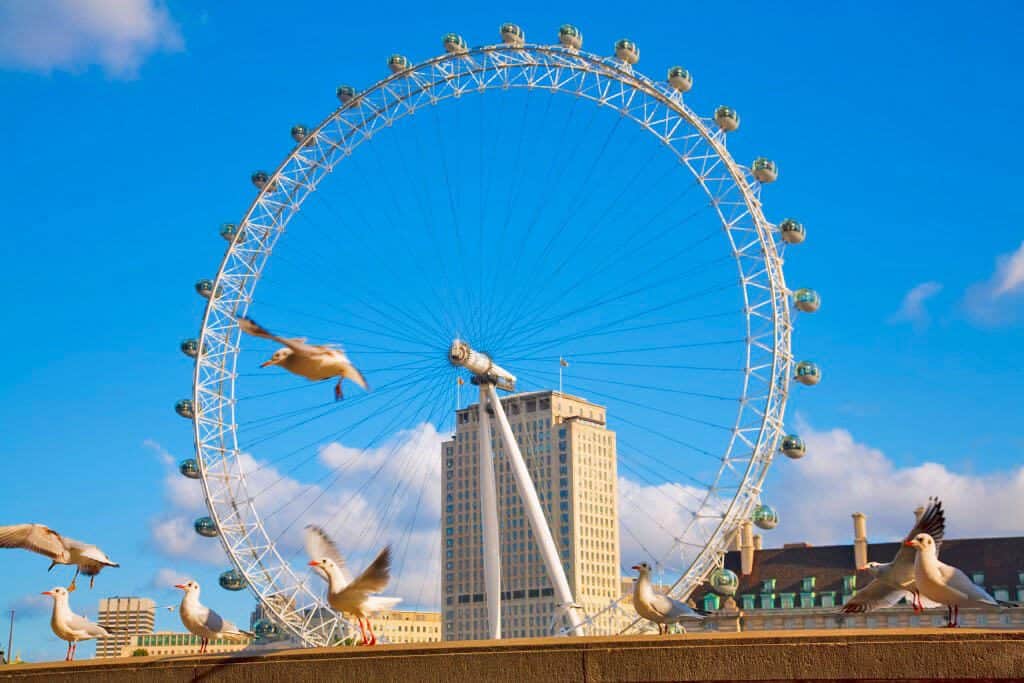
x=250, y=326
x=1007, y=604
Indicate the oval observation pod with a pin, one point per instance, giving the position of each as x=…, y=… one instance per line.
x=511, y=34
x=189, y=468
x=299, y=132
x=724, y=582
x=190, y=347
x=570, y=36
x=230, y=232
x=807, y=373
x=680, y=79
x=265, y=629
x=184, y=408
x=765, y=170
x=454, y=44
x=260, y=179
x=345, y=93
x=232, y=580
x=765, y=517
x=727, y=119
x=792, y=231
x=206, y=527
x=806, y=300
x=793, y=447
x=204, y=288
x=627, y=51
x=397, y=63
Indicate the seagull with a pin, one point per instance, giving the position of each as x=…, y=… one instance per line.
x=39, y=538
x=661, y=609
x=895, y=580
x=203, y=621
x=70, y=626
x=946, y=584
x=345, y=593
x=307, y=360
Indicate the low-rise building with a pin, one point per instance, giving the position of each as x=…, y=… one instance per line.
x=406, y=626
x=173, y=643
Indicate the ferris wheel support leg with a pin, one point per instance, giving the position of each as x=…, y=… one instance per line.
x=489, y=521
x=539, y=525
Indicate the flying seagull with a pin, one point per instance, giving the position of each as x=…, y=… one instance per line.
x=69, y=626
x=894, y=580
x=348, y=594
x=202, y=621
x=661, y=609
x=39, y=538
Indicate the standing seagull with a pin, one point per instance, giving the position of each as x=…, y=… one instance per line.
x=203, y=621
x=345, y=593
x=70, y=626
x=308, y=360
x=946, y=584
x=894, y=580
x=661, y=609
x=39, y=538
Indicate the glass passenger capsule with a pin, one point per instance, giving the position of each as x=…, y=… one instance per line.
x=807, y=373
x=190, y=347
x=627, y=51
x=230, y=232
x=792, y=231
x=265, y=629
x=727, y=119
x=189, y=468
x=260, y=179
x=454, y=44
x=793, y=447
x=570, y=36
x=232, y=580
x=184, y=408
x=206, y=527
x=345, y=93
x=765, y=170
x=680, y=79
x=204, y=288
x=512, y=35
x=765, y=517
x=397, y=63
x=299, y=132
x=806, y=300
x=724, y=581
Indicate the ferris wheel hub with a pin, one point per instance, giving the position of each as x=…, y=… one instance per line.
x=485, y=370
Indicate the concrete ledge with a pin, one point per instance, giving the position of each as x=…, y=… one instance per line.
x=862, y=655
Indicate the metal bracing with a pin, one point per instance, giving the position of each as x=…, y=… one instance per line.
x=606, y=82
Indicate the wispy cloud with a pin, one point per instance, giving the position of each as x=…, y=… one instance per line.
x=1000, y=299
x=72, y=35
x=912, y=309
x=31, y=605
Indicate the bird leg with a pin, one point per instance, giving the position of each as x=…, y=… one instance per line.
x=337, y=390
x=92, y=580
x=956, y=615
x=67, y=657
x=72, y=586
x=916, y=601
x=362, y=632
x=373, y=636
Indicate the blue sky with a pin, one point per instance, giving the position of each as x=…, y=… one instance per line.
x=131, y=136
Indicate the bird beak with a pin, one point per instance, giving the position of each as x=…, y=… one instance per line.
x=180, y=585
x=909, y=544
x=314, y=563
x=862, y=569
x=635, y=567
x=50, y=593
x=265, y=364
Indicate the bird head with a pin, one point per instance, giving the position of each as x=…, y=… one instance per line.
x=921, y=542
x=189, y=587
x=278, y=357
x=872, y=567
x=643, y=568
x=322, y=563
x=57, y=593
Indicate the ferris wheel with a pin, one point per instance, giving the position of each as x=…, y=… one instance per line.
x=518, y=217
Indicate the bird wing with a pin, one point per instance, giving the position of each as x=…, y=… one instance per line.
x=677, y=610
x=933, y=523
x=86, y=551
x=875, y=595
x=320, y=545
x=373, y=579
x=352, y=373
x=250, y=326
x=38, y=538
x=956, y=580
x=79, y=623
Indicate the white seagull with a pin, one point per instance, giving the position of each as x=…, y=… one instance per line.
x=347, y=594
x=39, y=538
x=661, y=609
x=895, y=580
x=946, y=584
x=203, y=621
x=314, y=362
x=70, y=626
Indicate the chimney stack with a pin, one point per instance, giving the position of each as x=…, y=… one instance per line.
x=918, y=512
x=860, y=539
x=757, y=541
x=747, y=548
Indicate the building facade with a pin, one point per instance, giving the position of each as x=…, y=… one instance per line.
x=571, y=456
x=406, y=626
x=173, y=643
x=127, y=616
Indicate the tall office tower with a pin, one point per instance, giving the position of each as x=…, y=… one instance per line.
x=129, y=617
x=570, y=454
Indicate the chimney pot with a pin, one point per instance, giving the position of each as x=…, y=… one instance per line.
x=860, y=540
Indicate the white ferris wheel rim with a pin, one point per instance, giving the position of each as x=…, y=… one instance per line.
x=659, y=110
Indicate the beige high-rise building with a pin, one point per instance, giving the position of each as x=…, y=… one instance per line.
x=571, y=457
x=129, y=617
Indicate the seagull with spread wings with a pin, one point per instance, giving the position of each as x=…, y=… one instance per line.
x=895, y=580
x=39, y=538
x=314, y=362
x=348, y=594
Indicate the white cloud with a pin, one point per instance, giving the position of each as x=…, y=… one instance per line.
x=817, y=495
x=998, y=299
x=166, y=579
x=165, y=457
x=912, y=309
x=70, y=35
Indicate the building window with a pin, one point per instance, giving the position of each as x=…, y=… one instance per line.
x=1001, y=594
x=748, y=600
x=828, y=599
x=767, y=600
x=978, y=578
x=806, y=600
x=787, y=600
x=850, y=583
x=768, y=585
x=807, y=584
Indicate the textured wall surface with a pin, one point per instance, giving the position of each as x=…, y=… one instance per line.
x=912, y=654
